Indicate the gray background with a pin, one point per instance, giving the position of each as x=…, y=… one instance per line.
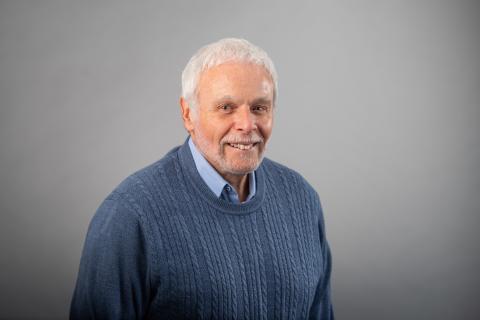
x=378, y=109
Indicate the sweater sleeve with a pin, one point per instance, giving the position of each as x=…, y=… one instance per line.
x=113, y=279
x=322, y=305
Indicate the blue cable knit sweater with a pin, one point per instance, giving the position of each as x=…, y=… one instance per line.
x=162, y=246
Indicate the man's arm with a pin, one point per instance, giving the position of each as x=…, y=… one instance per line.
x=113, y=279
x=322, y=305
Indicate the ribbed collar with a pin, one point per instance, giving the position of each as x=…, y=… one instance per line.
x=201, y=189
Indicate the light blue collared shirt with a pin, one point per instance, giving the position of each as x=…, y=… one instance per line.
x=219, y=186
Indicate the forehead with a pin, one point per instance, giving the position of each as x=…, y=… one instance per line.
x=236, y=78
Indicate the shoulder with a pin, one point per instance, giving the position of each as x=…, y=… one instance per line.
x=292, y=189
x=127, y=209
x=279, y=174
x=143, y=181
x=139, y=190
x=289, y=189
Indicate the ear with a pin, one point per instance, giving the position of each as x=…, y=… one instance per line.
x=187, y=115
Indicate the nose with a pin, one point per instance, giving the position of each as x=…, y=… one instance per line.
x=244, y=119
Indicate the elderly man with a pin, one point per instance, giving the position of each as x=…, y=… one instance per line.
x=212, y=230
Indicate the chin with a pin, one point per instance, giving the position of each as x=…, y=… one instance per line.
x=241, y=169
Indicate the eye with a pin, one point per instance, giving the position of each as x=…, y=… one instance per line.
x=260, y=108
x=225, y=107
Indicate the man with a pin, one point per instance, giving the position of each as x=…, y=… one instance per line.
x=212, y=230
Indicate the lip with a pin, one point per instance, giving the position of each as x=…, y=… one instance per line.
x=242, y=146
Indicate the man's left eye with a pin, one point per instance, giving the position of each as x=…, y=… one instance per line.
x=259, y=108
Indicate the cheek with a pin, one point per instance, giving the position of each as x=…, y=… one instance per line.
x=207, y=128
x=219, y=130
x=214, y=133
x=266, y=128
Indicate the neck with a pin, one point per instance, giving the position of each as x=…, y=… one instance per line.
x=240, y=183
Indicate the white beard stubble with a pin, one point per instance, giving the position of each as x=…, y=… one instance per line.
x=216, y=156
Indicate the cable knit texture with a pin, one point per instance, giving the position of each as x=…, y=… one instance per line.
x=162, y=246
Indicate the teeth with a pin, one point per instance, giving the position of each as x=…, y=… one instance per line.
x=241, y=146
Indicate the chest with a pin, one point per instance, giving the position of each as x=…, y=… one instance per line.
x=263, y=265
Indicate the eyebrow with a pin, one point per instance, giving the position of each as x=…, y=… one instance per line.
x=223, y=99
x=261, y=100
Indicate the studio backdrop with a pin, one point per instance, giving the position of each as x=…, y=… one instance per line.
x=378, y=108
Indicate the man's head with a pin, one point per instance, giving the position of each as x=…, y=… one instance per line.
x=228, y=95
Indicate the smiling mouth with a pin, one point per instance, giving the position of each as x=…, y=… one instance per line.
x=242, y=146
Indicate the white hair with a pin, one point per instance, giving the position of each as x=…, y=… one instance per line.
x=223, y=51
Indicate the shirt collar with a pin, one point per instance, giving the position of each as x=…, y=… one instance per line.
x=212, y=178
